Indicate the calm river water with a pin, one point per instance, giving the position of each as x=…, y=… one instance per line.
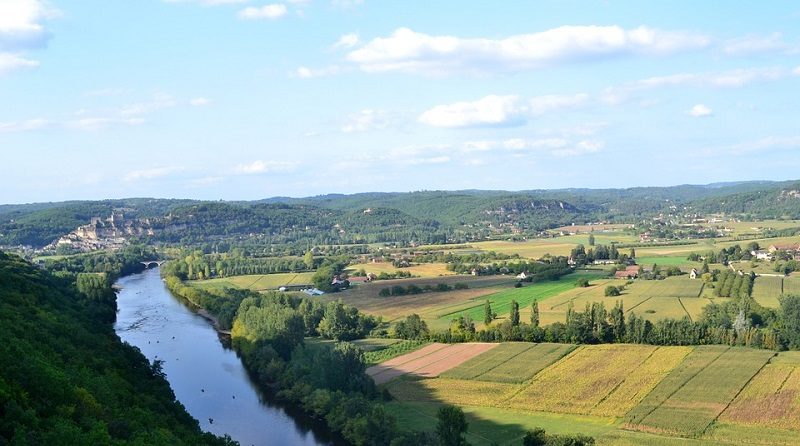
x=208, y=378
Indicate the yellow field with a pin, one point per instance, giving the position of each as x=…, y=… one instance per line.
x=557, y=246
x=583, y=379
x=421, y=270
x=641, y=381
x=452, y=391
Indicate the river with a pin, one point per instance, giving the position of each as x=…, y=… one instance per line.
x=206, y=376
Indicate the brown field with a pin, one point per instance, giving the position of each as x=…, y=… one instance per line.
x=421, y=270
x=427, y=362
x=771, y=398
x=593, y=228
x=366, y=296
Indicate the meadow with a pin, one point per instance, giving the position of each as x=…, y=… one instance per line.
x=417, y=270
x=524, y=296
x=767, y=290
x=255, y=282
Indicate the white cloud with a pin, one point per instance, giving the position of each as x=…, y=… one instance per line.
x=21, y=24
x=699, y=111
x=346, y=4
x=366, y=120
x=23, y=126
x=309, y=73
x=753, y=44
x=91, y=124
x=554, y=146
x=796, y=71
x=259, y=167
x=10, y=62
x=543, y=104
x=408, y=51
x=211, y=2
x=199, y=102
x=150, y=174
x=491, y=110
x=270, y=12
x=347, y=41
x=160, y=101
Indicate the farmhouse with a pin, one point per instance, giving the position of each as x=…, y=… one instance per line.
x=523, y=275
x=791, y=248
x=631, y=272
x=761, y=254
x=693, y=273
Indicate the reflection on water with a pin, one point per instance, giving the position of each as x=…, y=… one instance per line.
x=207, y=377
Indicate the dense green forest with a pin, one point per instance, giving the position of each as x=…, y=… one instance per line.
x=420, y=217
x=66, y=378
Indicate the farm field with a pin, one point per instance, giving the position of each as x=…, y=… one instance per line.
x=767, y=290
x=707, y=395
x=256, y=282
x=512, y=362
x=690, y=409
x=419, y=270
x=674, y=297
x=428, y=361
x=665, y=261
x=525, y=296
x=556, y=246
x=771, y=399
x=791, y=285
x=566, y=387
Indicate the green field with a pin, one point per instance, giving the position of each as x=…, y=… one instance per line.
x=673, y=297
x=791, y=286
x=691, y=409
x=501, y=301
x=767, y=290
x=256, y=282
x=511, y=362
x=379, y=353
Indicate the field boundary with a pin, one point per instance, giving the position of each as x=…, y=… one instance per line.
x=677, y=389
x=739, y=392
x=619, y=384
x=684, y=308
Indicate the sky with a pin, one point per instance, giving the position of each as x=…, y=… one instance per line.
x=247, y=99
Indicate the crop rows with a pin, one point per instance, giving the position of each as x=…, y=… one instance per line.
x=530, y=362
x=582, y=380
x=483, y=363
x=451, y=391
x=771, y=399
x=695, y=405
x=694, y=363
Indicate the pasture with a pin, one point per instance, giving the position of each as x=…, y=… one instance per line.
x=674, y=297
x=767, y=290
x=524, y=296
x=791, y=285
x=255, y=282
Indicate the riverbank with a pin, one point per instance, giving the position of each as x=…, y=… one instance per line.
x=206, y=376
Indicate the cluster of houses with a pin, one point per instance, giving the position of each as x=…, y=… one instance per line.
x=792, y=249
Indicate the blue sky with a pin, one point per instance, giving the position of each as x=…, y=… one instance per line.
x=237, y=99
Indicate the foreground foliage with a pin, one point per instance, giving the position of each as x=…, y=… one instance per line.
x=67, y=379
